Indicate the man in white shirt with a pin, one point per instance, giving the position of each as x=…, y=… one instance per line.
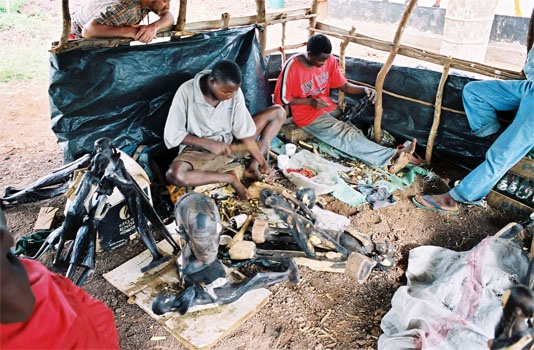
x=208, y=114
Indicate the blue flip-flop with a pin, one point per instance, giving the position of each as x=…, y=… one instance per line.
x=434, y=207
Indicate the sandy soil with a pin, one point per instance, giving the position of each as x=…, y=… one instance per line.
x=324, y=311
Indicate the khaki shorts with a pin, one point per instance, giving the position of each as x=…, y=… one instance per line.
x=202, y=159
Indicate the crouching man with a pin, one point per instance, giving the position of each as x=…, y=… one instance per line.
x=208, y=113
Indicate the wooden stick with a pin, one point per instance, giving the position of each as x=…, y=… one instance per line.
x=66, y=22
x=452, y=110
x=182, y=13
x=240, y=234
x=260, y=20
x=416, y=53
x=225, y=20
x=283, y=43
x=437, y=113
x=342, y=103
x=385, y=69
x=313, y=20
x=287, y=47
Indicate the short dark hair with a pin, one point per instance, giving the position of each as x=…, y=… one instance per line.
x=319, y=44
x=226, y=71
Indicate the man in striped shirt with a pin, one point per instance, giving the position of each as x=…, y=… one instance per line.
x=120, y=18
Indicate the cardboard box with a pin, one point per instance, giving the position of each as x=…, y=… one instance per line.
x=524, y=168
x=505, y=201
x=499, y=201
x=293, y=133
x=118, y=226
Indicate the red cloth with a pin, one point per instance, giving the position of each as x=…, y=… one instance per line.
x=65, y=317
x=299, y=81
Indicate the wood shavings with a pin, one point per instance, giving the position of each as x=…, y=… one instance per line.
x=352, y=316
x=158, y=337
x=326, y=316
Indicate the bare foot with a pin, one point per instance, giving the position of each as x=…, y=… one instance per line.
x=410, y=147
x=252, y=173
x=399, y=163
x=241, y=190
x=404, y=157
x=256, y=175
x=416, y=160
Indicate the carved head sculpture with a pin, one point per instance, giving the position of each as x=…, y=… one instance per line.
x=99, y=163
x=199, y=223
x=103, y=145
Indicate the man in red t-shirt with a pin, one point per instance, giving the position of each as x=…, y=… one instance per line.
x=42, y=310
x=304, y=84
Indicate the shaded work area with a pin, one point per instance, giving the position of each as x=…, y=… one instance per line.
x=120, y=97
x=124, y=93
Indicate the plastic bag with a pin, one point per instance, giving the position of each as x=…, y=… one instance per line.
x=327, y=172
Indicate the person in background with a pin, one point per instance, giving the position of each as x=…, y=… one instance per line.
x=304, y=84
x=482, y=100
x=207, y=114
x=120, y=18
x=42, y=310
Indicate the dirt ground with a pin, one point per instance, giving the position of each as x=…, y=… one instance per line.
x=324, y=311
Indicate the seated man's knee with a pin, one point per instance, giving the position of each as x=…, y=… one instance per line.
x=176, y=176
x=280, y=113
x=470, y=93
x=468, y=88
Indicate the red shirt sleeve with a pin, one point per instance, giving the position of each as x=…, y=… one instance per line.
x=337, y=79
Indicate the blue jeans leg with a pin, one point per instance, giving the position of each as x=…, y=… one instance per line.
x=512, y=145
x=483, y=98
x=349, y=139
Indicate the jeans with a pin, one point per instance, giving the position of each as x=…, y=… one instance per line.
x=481, y=101
x=349, y=139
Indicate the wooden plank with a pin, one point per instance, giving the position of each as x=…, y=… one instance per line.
x=524, y=168
x=202, y=328
x=45, y=219
x=128, y=277
x=322, y=265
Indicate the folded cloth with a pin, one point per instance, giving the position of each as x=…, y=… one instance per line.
x=29, y=245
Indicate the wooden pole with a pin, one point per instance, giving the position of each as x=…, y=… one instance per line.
x=423, y=55
x=437, y=113
x=262, y=34
x=385, y=69
x=66, y=22
x=283, y=42
x=182, y=13
x=225, y=20
x=314, y=8
x=342, y=103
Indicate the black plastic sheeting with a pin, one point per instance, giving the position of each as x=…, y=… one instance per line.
x=406, y=120
x=125, y=92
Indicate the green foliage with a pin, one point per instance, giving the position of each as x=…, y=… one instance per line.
x=12, y=6
x=25, y=38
